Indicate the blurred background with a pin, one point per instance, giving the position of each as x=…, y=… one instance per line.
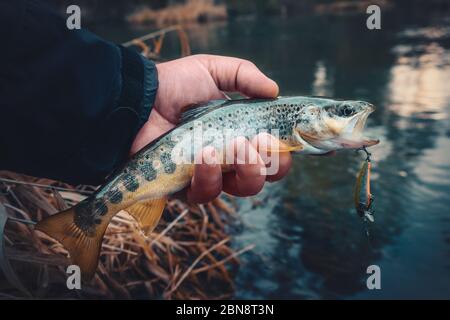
x=309, y=241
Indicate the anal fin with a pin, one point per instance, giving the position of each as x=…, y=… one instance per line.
x=147, y=213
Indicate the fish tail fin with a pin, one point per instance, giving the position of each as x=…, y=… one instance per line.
x=84, y=248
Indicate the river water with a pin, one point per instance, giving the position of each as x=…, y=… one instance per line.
x=309, y=241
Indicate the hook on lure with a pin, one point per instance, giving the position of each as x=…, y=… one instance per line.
x=363, y=198
x=368, y=154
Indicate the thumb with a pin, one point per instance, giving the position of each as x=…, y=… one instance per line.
x=234, y=74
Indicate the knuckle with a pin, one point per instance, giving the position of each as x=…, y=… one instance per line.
x=200, y=56
x=247, y=63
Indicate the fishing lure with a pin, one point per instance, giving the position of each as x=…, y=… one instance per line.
x=362, y=196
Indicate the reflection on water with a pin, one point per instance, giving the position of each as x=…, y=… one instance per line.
x=418, y=80
x=310, y=243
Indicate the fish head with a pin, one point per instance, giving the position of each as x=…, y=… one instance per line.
x=332, y=125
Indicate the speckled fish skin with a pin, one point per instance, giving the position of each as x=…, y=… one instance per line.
x=318, y=124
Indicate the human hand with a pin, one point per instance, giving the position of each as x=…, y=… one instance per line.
x=199, y=78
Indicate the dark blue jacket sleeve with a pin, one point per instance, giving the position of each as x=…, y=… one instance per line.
x=70, y=102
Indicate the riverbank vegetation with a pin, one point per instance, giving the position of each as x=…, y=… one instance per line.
x=189, y=11
x=166, y=12
x=188, y=256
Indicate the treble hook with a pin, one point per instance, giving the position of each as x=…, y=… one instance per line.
x=368, y=154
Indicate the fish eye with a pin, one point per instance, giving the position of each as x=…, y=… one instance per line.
x=346, y=111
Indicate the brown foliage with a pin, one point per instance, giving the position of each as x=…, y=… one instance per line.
x=187, y=257
x=190, y=11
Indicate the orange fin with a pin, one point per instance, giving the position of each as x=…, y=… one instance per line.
x=84, y=248
x=147, y=213
x=308, y=138
x=283, y=146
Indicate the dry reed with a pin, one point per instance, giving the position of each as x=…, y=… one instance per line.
x=153, y=49
x=190, y=11
x=187, y=257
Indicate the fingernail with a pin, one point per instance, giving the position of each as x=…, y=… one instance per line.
x=209, y=156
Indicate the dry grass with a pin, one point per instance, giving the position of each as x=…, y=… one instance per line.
x=150, y=45
x=187, y=257
x=190, y=11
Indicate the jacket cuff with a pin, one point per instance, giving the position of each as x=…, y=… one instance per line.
x=110, y=148
x=139, y=84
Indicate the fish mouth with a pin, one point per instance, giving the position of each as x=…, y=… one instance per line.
x=352, y=135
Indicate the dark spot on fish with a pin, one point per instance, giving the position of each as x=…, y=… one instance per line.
x=130, y=182
x=148, y=171
x=133, y=165
x=170, y=167
x=210, y=125
x=191, y=128
x=84, y=209
x=114, y=195
x=165, y=157
x=100, y=207
x=166, y=160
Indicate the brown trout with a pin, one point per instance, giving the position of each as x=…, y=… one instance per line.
x=309, y=125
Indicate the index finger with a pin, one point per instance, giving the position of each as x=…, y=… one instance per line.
x=234, y=74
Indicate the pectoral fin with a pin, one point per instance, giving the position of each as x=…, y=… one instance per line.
x=147, y=213
x=283, y=146
x=308, y=138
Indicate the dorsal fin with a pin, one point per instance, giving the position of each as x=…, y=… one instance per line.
x=201, y=109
